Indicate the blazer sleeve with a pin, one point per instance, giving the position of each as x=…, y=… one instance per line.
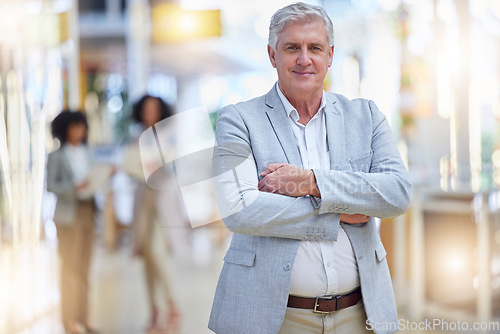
x=56, y=182
x=383, y=190
x=247, y=210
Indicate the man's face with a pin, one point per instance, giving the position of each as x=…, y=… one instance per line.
x=302, y=58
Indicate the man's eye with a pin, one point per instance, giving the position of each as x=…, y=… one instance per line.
x=291, y=48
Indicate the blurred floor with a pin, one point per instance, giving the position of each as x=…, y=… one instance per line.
x=118, y=291
x=118, y=299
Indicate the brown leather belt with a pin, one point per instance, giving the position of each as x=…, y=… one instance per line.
x=325, y=303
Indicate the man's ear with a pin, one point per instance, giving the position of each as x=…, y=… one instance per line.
x=330, y=55
x=271, y=53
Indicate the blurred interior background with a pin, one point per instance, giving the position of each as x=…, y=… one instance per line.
x=432, y=66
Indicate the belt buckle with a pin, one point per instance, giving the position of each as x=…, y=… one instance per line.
x=327, y=297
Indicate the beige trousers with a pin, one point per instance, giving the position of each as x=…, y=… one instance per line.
x=150, y=240
x=75, y=248
x=346, y=321
x=156, y=262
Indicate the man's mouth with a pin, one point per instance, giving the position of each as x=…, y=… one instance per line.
x=303, y=73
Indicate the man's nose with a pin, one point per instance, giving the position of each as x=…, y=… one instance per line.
x=304, y=58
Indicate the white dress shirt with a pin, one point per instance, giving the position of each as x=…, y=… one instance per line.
x=79, y=161
x=320, y=267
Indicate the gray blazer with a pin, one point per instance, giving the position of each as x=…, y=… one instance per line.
x=60, y=182
x=366, y=176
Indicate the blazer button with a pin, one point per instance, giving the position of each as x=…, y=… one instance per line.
x=287, y=266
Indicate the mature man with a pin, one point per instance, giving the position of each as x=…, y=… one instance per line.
x=299, y=173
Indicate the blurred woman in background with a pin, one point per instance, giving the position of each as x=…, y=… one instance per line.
x=154, y=210
x=68, y=171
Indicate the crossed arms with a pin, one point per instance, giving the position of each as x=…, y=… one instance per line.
x=289, y=180
x=276, y=205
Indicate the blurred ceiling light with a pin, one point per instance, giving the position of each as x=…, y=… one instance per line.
x=188, y=23
x=172, y=24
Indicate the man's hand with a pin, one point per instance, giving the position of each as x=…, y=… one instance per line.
x=356, y=218
x=289, y=180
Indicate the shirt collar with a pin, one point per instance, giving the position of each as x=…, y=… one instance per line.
x=291, y=111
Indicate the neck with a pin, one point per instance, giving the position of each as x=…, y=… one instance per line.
x=306, y=105
x=73, y=143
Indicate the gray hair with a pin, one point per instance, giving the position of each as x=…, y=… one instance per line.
x=298, y=12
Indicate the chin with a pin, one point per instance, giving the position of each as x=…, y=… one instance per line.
x=306, y=87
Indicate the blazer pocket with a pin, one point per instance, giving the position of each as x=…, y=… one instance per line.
x=380, y=252
x=362, y=163
x=240, y=256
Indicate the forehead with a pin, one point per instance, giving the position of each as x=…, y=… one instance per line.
x=77, y=124
x=310, y=31
x=151, y=103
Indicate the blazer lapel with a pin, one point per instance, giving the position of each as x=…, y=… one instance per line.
x=335, y=133
x=281, y=126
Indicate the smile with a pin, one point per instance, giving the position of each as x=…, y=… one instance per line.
x=303, y=73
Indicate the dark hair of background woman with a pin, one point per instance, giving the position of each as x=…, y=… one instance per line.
x=166, y=110
x=60, y=124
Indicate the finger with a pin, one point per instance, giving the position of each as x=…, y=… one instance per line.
x=263, y=186
x=266, y=189
x=271, y=168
